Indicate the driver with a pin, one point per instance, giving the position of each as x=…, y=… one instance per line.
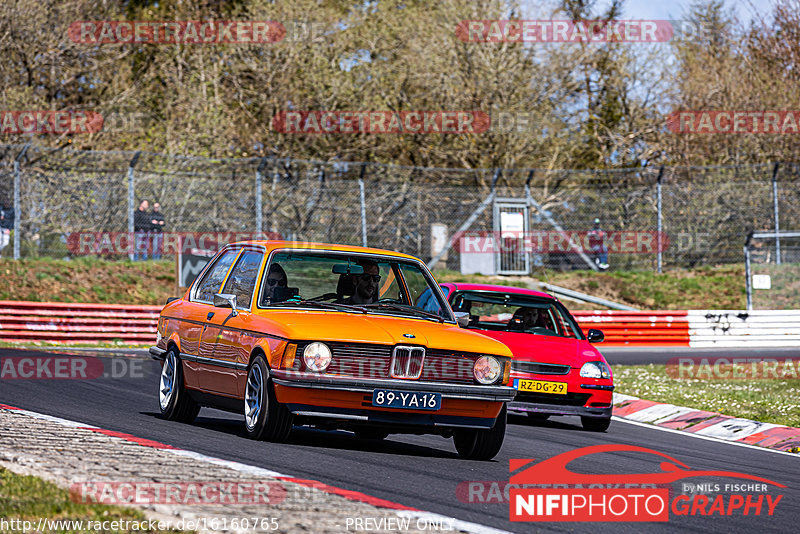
x=365, y=284
x=276, y=278
x=528, y=318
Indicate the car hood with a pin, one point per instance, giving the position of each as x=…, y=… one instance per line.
x=546, y=349
x=374, y=328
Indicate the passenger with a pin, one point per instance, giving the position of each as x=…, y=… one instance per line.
x=276, y=284
x=365, y=285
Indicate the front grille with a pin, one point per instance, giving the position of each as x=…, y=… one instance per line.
x=372, y=361
x=407, y=362
x=540, y=368
x=570, y=399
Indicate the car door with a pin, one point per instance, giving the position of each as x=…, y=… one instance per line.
x=231, y=332
x=200, y=348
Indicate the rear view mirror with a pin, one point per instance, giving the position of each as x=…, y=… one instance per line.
x=595, y=336
x=462, y=318
x=226, y=300
x=346, y=268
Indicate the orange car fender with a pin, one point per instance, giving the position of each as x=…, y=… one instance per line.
x=271, y=348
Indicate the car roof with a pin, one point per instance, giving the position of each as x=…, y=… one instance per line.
x=497, y=289
x=271, y=245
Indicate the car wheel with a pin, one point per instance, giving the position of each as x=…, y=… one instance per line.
x=173, y=398
x=596, y=424
x=371, y=434
x=474, y=444
x=264, y=417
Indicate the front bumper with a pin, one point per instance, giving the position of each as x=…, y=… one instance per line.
x=157, y=353
x=296, y=379
x=584, y=397
x=348, y=402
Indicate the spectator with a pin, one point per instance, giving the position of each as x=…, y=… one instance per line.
x=157, y=228
x=597, y=243
x=6, y=226
x=141, y=227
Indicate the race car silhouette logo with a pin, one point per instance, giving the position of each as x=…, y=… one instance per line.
x=623, y=503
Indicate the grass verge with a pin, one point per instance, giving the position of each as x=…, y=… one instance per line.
x=28, y=498
x=765, y=400
x=90, y=279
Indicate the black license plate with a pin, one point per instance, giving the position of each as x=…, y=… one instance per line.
x=409, y=400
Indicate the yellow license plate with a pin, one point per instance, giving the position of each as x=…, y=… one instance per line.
x=540, y=386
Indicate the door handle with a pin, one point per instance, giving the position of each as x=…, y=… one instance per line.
x=209, y=316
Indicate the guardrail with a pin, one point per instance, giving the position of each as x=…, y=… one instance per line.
x=638, y=328
x=73, y=323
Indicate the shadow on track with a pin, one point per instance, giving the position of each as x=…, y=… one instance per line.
x=322, y=439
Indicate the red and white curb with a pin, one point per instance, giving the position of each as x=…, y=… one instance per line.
x=707, y=424
x=400, y=510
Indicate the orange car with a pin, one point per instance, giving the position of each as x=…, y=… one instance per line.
x=333, y=337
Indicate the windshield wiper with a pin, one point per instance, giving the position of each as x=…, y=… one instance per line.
x=348, y=308
x=406, y=308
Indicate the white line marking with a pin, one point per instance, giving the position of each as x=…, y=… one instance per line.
x=698, y=436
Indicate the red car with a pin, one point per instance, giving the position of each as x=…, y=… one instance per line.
x=555, y=369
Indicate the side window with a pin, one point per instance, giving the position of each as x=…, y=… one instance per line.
x=213, y=278
x=422, y=295
x=243, y=278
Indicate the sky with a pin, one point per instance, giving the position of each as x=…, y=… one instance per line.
x=674, y=9
x=668, y=9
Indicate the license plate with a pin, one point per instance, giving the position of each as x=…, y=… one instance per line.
x=540, y=386
x=409, y=400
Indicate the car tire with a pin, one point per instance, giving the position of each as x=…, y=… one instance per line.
x=173, y=397
x=596, y=424
x=473, y=444
x=265, y=418
x=371, y=434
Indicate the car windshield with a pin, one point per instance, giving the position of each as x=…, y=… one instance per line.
x=515, y=313
x=352, y=282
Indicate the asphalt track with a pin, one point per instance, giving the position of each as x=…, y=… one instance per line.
x=418, y=471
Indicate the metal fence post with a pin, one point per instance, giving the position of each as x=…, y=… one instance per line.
x=748, y=280
x=259, y=199
x=658, y=207
x=775, y=208
x=363, y=206
x=131, y=202
x=17, y=209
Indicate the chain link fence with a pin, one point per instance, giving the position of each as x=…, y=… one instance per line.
x=693, y=215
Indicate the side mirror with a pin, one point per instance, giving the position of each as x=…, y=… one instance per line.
x=226, y=300
x=462, y=318
x=595, y=336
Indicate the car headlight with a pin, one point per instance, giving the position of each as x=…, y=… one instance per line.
x=487, y=369
x=317, y=356
x=595, y=370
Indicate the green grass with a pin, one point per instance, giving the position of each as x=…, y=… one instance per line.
x=765, y=400
x=31, y=498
